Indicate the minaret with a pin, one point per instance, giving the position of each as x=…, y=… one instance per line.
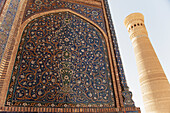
x=154, y=84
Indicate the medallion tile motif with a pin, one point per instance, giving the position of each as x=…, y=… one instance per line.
x=62, y=61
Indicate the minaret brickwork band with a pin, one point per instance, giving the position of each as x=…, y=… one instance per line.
x=154, y=84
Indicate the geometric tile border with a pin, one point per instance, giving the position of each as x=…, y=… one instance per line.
x=70, y=110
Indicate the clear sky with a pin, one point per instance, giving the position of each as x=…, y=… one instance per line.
x=157, y=21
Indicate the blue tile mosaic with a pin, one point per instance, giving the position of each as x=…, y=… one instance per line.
x=93, y=13
x=30, y=73
x=62, y=61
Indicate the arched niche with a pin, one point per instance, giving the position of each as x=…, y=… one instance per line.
x=63, y=59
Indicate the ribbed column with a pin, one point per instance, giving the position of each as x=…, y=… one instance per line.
x=154, y=84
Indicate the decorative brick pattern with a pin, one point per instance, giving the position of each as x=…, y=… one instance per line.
x=72, y=110
x=7, y=56
x=155, y=86
x=125, y=89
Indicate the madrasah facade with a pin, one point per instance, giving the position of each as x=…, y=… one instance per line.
x=63, y=56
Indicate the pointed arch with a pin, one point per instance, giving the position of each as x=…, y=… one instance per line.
x=57, y=11
x=25, y=23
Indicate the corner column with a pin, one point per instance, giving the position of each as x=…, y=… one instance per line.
x=154, y=84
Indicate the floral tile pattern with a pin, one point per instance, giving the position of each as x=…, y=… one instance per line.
x=62, y=61
x=93, y=13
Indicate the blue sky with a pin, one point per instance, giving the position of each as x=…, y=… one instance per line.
x=157, y=21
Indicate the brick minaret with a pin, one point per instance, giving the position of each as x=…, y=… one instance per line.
x=154, y=84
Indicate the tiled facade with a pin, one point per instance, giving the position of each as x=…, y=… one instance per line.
x=61, y=54
x=79, y=20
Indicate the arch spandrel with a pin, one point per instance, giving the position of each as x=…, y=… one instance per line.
x=91, y=9
x=62, y=60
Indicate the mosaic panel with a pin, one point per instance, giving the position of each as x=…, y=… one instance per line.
x=93, y=13
x=62, y=61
